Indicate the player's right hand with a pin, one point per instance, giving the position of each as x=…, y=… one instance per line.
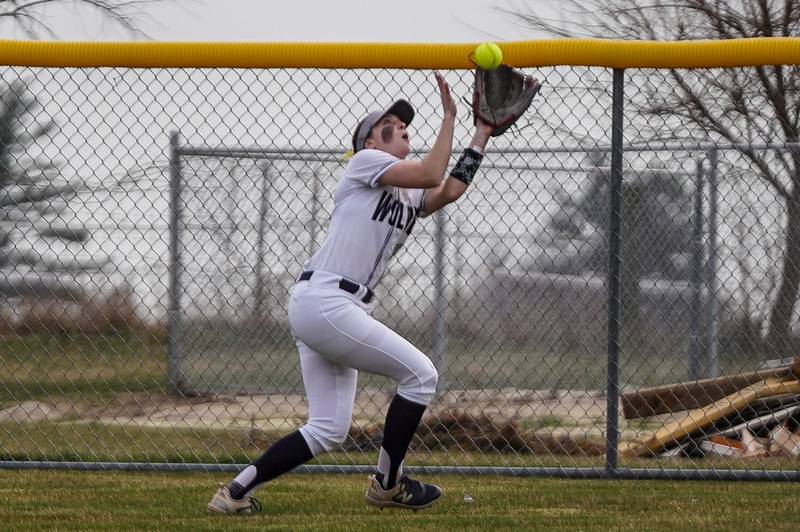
x=449, y=107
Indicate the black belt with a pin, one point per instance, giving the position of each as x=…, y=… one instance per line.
x=345, y=284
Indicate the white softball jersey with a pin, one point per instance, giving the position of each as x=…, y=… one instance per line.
x=335, y=333
x=369, y=223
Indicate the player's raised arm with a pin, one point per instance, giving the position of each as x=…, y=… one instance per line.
x=500, y=96
x=461, y=175
x=429, y=171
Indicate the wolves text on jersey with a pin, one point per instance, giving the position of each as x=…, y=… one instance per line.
x=396, y=213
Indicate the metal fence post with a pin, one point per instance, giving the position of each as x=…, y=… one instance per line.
x=614, y=263
x=259, y=292
x=696, y=271
x=711, y=281
x=440, y=301
x=315, y=208
x=173, y=315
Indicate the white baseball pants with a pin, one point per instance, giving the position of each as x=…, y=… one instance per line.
x=337, y=338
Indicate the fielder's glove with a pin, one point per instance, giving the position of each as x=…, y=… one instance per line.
x=502, y=95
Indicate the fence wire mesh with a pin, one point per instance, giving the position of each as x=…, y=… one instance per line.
x=154, y=221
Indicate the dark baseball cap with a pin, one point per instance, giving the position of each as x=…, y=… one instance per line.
x=401, y=109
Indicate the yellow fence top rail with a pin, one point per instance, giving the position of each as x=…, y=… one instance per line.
x=585, y=52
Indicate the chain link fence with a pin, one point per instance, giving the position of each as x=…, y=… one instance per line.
x=153, y=223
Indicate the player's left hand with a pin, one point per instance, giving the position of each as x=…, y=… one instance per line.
x=501, y=96
x=483, y=128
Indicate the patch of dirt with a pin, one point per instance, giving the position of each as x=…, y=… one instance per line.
x=34, y=411
x=539, y=421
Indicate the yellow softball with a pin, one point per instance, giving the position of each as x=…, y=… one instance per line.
x=488, y=56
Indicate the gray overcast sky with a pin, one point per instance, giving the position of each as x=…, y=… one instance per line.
x=309, y=20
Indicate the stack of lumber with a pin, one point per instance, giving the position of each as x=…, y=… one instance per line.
x=745, y=415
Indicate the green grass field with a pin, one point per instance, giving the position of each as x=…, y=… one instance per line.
x=111, y=368
x=65, y=500
x=80, y=372
x=45, y=366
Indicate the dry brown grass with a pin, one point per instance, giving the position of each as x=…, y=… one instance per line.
x=86, y=314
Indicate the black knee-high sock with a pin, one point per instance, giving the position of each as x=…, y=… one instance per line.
x=284, y=455
x=402, y=421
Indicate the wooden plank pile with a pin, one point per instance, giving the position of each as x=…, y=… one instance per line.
x=752, y=414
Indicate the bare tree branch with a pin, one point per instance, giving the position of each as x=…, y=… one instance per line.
x=29, y=15
x=743, y=106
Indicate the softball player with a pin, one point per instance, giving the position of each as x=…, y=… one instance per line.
x=376, y=204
